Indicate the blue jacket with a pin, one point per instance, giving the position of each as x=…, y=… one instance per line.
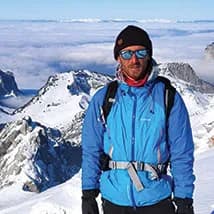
x=136, y=129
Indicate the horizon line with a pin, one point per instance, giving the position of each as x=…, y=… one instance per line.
x=93, y=20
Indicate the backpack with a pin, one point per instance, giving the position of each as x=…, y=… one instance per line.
x=169, y=95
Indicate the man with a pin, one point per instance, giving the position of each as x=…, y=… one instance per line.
x=135, y=140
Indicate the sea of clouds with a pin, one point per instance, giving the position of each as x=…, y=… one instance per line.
x=34, y=50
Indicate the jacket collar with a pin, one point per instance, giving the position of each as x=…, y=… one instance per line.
x=150, y=81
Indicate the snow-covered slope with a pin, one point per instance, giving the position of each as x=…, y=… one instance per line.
x=63, y=96
x=66, y=198
x=204, y=185
x=62, y=101
x=62, y=199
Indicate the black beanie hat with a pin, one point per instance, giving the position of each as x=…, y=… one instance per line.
x=132, y=35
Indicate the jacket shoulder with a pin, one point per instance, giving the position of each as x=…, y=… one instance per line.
x=99, y=95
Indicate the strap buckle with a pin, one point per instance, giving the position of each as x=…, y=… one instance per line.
x=139, y=166
x=114, y=164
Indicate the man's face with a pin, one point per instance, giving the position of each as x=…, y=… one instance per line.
x=134, y=67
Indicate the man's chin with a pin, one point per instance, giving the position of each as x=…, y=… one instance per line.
x=135, y=76
x=136, y=69
x=136, y=72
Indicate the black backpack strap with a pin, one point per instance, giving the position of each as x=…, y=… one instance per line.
x=169, y=95
x=109, y=98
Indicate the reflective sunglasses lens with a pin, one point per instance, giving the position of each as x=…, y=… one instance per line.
x=141, y=53
x=126, y=54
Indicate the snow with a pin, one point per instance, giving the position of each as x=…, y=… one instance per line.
x=50, y=104
x=66, y=198
x=204, y=185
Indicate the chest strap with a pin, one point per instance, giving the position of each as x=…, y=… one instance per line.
x=133, y=167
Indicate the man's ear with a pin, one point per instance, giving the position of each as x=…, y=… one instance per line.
x=148, y=58
x=118, y=60
x=150, y=65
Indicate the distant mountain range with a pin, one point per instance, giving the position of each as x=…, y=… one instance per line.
x=42, y=141
x=91, y=20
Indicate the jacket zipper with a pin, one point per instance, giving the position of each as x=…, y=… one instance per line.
x=133, y=143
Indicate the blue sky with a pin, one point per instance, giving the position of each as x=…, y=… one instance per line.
x=107, y=9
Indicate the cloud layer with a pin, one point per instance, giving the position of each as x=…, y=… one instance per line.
x=35, y=50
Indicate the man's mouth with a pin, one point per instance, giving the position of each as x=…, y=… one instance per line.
x=136, y=66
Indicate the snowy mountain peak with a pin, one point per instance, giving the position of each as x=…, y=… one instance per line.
x=68, y=91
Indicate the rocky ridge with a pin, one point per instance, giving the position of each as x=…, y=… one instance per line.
x=36, y=156
x=184, y=71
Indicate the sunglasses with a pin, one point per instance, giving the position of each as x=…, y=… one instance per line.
x=127, y=54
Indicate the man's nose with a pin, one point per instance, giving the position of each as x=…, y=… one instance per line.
x=134, y=58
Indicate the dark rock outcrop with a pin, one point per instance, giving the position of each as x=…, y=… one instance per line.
x=209, y=51
x=8, y=84
x=184, y=71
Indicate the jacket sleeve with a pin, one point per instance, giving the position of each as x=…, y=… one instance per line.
x=92, y=143
x=181, y=150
